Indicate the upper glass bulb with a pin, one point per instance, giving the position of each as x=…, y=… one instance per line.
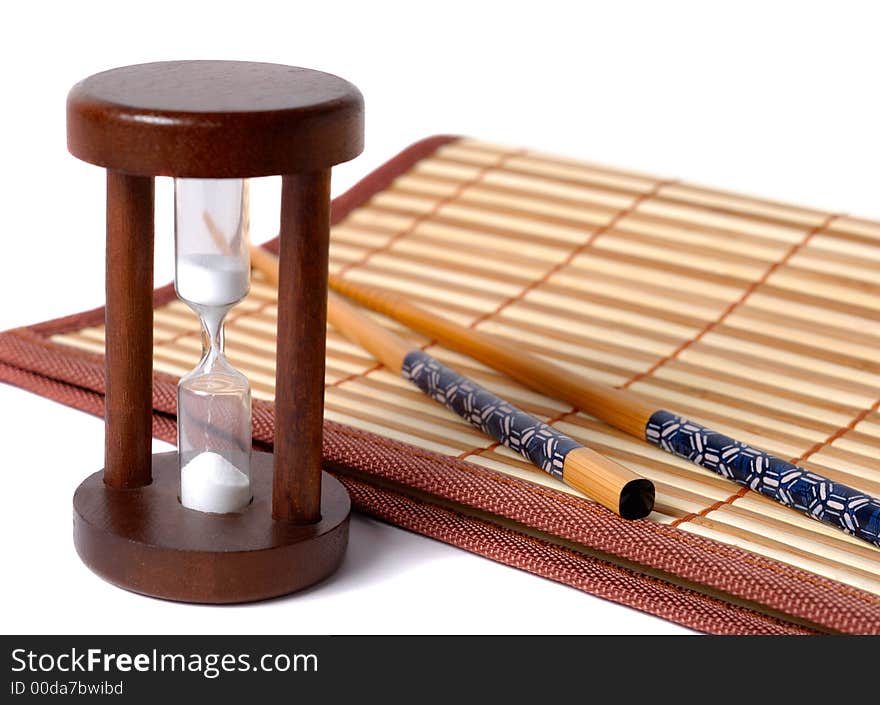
x=211, y=240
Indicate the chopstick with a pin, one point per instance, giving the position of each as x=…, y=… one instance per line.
x=818, y=497
x=600, y=478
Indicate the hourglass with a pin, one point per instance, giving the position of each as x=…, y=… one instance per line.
x=215, y=521
x=212, y=274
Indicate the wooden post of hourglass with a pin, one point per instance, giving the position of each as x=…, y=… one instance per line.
x=214, y=119
x=302, y=318
x=129, y=331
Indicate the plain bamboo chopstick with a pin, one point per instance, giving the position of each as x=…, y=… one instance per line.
x=816, y=496
x=598, y=477
x=622, y=409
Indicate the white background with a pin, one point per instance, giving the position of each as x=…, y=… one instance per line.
x=777, y=99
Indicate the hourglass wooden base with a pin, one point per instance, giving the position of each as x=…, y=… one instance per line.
x=145, y=541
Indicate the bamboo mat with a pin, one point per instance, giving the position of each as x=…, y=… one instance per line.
x=757, y=318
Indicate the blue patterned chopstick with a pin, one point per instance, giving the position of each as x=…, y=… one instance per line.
x=622, y=491
x=820, y=498
x=537, y=442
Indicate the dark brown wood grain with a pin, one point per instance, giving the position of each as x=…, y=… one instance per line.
x=214, y=119
x=144, y=540
x=129, y=338
x=302, y=319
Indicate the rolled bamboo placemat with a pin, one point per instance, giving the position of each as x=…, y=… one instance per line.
x=756, y=318
x=820, y=498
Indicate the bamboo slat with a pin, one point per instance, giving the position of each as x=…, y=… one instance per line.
x=759, y=318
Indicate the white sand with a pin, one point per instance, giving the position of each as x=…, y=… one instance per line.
x=212, y=280
x=210, y=483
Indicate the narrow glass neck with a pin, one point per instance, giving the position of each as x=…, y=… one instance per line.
x=213, y=332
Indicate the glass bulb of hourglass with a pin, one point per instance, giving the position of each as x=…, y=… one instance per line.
x=214, y=400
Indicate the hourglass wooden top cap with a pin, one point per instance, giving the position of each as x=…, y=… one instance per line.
x=214, y=119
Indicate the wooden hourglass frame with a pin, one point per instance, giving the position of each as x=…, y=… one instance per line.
x=214, y=119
